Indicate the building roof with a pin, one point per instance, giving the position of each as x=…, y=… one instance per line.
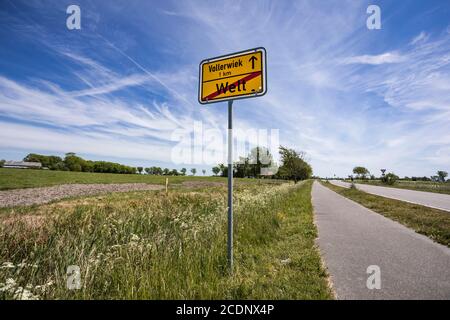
x=24, y=164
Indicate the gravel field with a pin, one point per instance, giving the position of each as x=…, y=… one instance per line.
x=29, y=196
x=202, y=184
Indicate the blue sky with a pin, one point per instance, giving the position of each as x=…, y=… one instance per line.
x=118, y=88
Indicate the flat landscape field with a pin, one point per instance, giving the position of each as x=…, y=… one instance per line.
x=153, y=245
x=27, y=178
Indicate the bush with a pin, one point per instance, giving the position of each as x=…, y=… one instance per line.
x=389, y=178
x=60, y=166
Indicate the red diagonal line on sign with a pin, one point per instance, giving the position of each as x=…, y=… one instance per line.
x=246, y=78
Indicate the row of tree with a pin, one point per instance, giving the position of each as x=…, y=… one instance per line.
x=72, y=162
x=260, y=163
x=390, y=178
x=167, y=172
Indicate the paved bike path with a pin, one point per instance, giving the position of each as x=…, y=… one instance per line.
x=352, y=238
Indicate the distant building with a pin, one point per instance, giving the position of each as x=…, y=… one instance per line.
x=22, y=165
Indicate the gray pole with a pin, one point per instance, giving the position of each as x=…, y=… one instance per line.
x=230, y=185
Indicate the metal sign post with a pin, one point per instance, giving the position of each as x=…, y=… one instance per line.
x=230, y=185
x=234, y=76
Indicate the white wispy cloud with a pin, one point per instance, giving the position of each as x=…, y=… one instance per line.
x=421, y=37
x=388, y=57
x=52, y=141
x=328, y=93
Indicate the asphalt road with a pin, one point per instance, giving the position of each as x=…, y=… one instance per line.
x=428, y=199
x=352, y=238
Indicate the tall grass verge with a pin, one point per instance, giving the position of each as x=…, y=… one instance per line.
x=149, y=245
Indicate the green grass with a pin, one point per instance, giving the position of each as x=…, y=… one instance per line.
x=149, y=245
x=430, y=222
x=25, y=178
x=427, y=186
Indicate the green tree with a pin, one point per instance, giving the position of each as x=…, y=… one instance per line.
x=183, y=171
x=361, y=172
x=259, y=158
x=442, y=175
x=294, y=167
x=166, y=171
x=73, y=162
x=140, y=169
x=46, y=161
x=389, y=178
x=88, y=166
x=242, y=168
x=148, y=170
x=60, y=166
x=193, y=171
x=203, y=171
x=174, y=172
x=223, y=170
x=215, y=170
x=2, y=163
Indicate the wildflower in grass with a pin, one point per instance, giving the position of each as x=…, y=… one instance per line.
x=184, y=225
x=19, y=293
x=8, y=286
x=134, y=238
x=7, y=265
x=281, y=216
x=23, y=264
x=44, y=288
x=24, y=294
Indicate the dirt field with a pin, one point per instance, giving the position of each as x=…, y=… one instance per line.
x=29, y=196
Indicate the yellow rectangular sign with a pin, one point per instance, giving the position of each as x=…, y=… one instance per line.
x=234, y=76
